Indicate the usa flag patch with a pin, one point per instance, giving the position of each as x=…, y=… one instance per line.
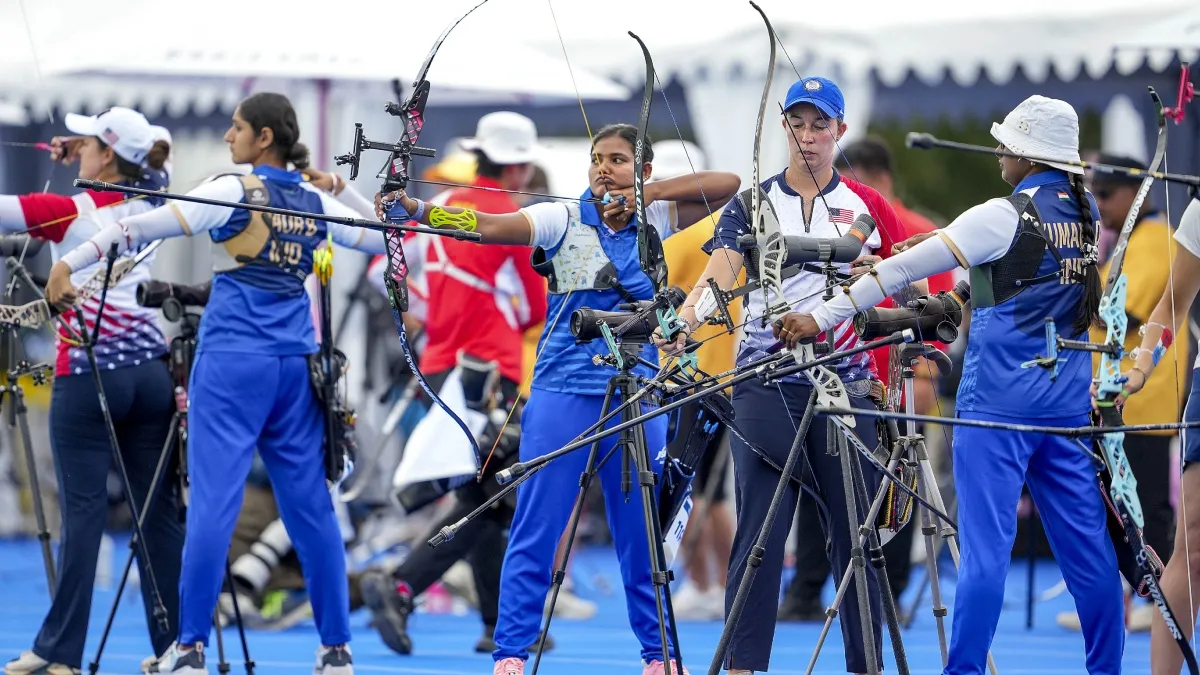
x=845, y=216
x=110, y=137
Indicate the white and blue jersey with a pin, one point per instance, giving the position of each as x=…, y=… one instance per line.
x=562, y=365
x=1012, y=332
x=832, y=214
x=260, y=306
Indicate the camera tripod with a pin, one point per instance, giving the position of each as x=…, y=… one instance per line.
x=632, y=446
x=182, y=352
x=17, y=418
x=854, y=488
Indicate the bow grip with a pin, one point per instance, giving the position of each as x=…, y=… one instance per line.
x=1110, y=415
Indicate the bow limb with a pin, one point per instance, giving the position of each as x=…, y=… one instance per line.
x=1110, y=383
x=396, y=177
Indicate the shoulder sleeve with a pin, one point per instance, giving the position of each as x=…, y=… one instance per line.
x=734, y=223
x=548, y=221
x=1188, y=234
x=665, y=218
x=357, y=238
x=48, y=217
x=888, y=227
x=197, y=218
x=982, y=233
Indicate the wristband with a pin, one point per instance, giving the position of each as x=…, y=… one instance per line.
x=420, y=211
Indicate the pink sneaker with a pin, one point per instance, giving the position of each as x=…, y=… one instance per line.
x=657, y=667
x=510, y=666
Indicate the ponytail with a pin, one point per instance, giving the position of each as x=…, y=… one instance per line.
x=159, y=154
x=1089, y=307
x=298, y=156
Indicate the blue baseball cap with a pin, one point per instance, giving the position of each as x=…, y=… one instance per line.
x=820, y=92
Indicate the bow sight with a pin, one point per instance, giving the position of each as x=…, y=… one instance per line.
x=398, y=151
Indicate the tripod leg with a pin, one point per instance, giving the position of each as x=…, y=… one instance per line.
x=760, y=544
x=160, y=612
x=648, y=480
x=155, y=482
x=857, y=558
x=560, y=574
x=877, y=559
x=222, y=664
x=39, y=511
x=237, y=616
x=844, y=584
x=948, y=533
x=931, y=553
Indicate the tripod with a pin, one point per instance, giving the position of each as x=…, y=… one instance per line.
x=17, y=418
x=182, y=352
x=824, y=386
x=913, y=448
x=632, y=446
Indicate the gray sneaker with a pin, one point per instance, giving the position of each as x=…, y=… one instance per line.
x=334, y=661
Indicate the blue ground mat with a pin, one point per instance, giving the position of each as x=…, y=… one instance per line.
x=602, y=645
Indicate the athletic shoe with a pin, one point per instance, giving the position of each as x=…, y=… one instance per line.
x=391, y=604
x=29, y=663
x=487, y=642
x=509, y=666
x=656, y=667
x=692, y=604
x=179, y=662
x=334, y=661
x=571, y=606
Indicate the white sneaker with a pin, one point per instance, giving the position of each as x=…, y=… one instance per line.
x=1140, y=618
x=571, y=606
x=28, y=663
x=460, y=580
x=178, y=662
x=691, y=604
x=334, y=661
x=1068, y=620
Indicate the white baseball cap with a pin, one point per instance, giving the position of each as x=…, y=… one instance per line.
x=505, y=138
x=676, y=158
x=1042, y=127
x=126, y=131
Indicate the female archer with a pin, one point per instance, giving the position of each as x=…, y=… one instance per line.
x=1032, y=255
x=250, y=385
x=117, y=146
x=578, y=244
x=810, y=198
x=1182, y=572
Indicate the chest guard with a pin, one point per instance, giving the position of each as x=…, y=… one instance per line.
x=1002, y=280
x=246, y=246
x=580, y=264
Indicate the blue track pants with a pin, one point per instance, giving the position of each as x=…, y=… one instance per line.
x=240, y=402
x=549, y=421
x=990, y=466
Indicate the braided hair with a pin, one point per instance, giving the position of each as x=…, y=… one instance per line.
x=1089, y=307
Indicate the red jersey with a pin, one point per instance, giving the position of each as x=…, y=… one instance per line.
x=914, y=224
x=481, y=297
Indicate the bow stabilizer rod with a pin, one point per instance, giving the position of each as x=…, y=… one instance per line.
x=101, y=186
x=924, y=141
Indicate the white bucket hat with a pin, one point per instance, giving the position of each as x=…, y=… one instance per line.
x=1042, y=127
x=505, y=138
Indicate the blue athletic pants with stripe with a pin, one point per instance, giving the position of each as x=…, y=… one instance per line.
x=239, y=403
x=549, y=421
x=990, y=467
